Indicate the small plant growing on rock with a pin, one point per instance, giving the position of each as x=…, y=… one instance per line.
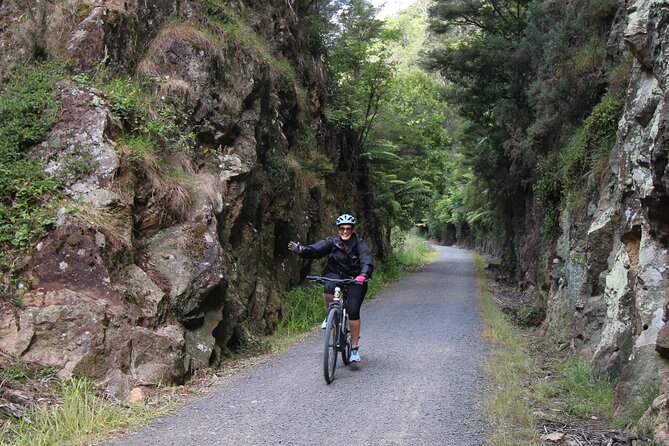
x=530, y=315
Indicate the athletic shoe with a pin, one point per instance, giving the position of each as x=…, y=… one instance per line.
x=355, y=355
x=324, y=324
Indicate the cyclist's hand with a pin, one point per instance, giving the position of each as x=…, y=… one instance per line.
x=295, y=247
x=360, y=278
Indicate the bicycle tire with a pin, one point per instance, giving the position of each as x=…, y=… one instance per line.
x=330, y=346
x=346, y=349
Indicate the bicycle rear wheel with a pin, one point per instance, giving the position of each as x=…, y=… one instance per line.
x=330, y=347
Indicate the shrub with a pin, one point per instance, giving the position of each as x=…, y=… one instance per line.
x=278, y=171
x=574, y=169
x=143, y=115
x=126, y=101
x=530, y=315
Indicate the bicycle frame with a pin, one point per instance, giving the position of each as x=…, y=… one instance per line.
x=342, y=331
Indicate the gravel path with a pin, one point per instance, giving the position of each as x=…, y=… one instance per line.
x=418, y=383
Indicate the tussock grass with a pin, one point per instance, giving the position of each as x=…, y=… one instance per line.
x=79, y=417
x=506, y=401
x=198, y=40
x=113, y=223
x=577, y=389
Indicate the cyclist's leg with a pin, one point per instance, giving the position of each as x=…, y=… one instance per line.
x=356, y=294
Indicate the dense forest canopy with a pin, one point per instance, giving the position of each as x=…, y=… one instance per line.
x=470, y=110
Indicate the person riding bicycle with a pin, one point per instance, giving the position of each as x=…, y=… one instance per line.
x=349, y=258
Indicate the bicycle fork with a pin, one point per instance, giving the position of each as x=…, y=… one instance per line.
x=341, y=328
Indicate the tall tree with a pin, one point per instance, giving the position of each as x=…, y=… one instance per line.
x=525, y=74
x=360, y=62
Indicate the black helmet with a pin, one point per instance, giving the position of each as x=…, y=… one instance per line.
x=344, y=219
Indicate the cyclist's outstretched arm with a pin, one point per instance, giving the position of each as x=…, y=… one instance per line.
x=315, y=251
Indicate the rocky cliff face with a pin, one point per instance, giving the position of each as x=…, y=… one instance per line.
x=163, y=259
x=609, y=276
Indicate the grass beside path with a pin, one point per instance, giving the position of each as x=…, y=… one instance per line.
x=529, y=389
x=508, y=367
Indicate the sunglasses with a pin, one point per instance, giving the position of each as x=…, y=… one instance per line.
x=346, y=229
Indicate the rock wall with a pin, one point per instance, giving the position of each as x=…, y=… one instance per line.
x=148, y=275
x=609, y=276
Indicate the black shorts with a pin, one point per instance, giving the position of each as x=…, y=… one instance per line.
x=355, y=294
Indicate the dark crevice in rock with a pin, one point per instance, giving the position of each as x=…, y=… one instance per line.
x=282, y=235
x=213, y=300
x=658, y=216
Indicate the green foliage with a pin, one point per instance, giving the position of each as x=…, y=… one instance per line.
x=278, y=172
x=127, y=101
x=136, y=146
x=317, y=19
x=27, y=108
x=580, y=390
x=408, y=134
x=303, y=308
x=27, y=111
x=359, y=60
x=317, y=163
x=142, y=115
x=410, y=249
x=410, y=25
x=465, y=209
x=524, y=74
x=401, y=195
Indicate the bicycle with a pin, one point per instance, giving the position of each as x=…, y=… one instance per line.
x=337, y=327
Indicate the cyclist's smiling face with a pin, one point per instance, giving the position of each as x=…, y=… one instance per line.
x=345, y=232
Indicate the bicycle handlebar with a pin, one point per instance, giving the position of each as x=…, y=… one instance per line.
x=322, y=279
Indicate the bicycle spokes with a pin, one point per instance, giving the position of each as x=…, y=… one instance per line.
x=330, y=347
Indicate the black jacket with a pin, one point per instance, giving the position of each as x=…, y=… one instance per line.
x=353, y=263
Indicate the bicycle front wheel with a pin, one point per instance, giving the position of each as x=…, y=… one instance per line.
x=346, y=341
x=330, y=347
